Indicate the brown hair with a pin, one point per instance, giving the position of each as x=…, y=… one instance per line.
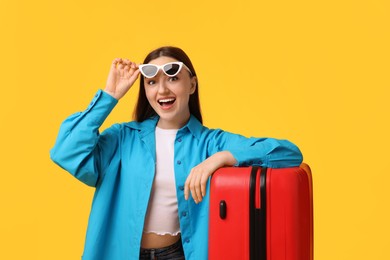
x=143, y=109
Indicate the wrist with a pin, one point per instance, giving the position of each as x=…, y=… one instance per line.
x=225, y=158
x=111, y=94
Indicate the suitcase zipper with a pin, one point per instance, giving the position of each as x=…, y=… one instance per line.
x=257, y=216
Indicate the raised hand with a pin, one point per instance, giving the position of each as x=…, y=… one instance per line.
x=123, y=73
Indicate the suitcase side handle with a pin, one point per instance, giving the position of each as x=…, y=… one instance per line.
x=222, y=209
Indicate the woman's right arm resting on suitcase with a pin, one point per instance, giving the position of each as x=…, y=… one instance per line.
x=265, y=152
x=227, y=149
x=79, y=147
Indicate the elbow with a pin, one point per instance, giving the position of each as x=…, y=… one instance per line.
x=286, y=154
x=296, y=153
x=82, y=170
x=54, y=156
x=293, y=154
x=59, y=158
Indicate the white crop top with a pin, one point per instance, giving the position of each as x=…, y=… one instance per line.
x=162, y=214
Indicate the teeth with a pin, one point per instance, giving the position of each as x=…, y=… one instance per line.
x=166, y=100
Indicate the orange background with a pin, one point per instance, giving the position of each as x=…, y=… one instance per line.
x=313, y=72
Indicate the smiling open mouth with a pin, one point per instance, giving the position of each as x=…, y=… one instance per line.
x=166, y=101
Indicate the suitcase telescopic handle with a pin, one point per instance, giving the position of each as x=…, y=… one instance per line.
x=222, y=209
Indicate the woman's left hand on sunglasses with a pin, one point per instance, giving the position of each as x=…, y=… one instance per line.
x=123, y=73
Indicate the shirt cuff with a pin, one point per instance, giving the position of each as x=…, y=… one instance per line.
x=244, y=160
x=101, y=106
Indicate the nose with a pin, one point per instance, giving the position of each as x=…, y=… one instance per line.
x=162, y=87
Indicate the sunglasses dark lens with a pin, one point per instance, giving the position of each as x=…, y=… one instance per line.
x=171, y=69
x=149, y=70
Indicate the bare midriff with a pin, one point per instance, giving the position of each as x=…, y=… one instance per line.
x=153, y=240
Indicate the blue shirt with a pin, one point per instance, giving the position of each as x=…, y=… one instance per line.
x=120, y=164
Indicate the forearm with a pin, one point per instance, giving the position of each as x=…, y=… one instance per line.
x=265, y=152
x=223, y=158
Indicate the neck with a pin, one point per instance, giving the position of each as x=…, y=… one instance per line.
x=173, y=124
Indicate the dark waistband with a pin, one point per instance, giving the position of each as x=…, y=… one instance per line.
x=162, y=249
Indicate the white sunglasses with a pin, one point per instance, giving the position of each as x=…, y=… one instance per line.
x=170, y=69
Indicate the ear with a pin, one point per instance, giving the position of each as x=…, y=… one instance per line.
x=194, y=82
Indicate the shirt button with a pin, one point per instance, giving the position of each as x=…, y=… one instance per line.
x=187, y=240
x=184, y=213
x=181, y=187
x=178, y=162
x=179, y=140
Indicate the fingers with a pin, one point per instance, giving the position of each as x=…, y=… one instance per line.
x=195, y=188
x=116, y=60
x=191, y=187
x=125, y=68
x=203, y=183
x=134, y=72
x=127, y=64
x=133, y=67
x=120, y=64
x=196, y=185
x=186, y=188
x=123, y=64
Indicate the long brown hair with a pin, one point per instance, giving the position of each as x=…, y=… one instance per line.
x=143, y=109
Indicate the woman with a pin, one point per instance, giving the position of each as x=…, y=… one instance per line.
x=151, y=175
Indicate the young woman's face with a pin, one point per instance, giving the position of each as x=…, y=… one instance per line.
x=169, y=96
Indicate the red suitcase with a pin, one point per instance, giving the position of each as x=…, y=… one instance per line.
x=261, y=213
